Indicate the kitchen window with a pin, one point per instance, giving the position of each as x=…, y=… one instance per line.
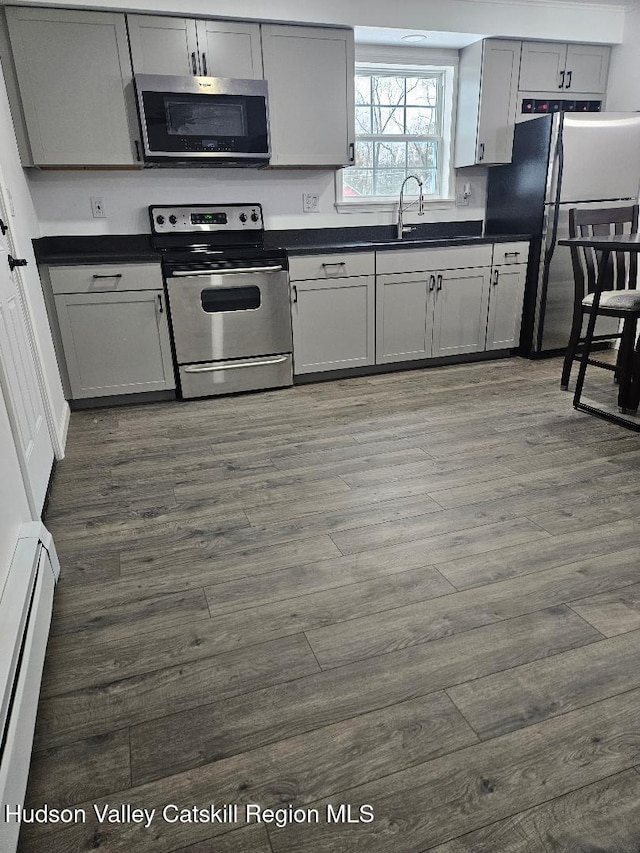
x=403, y=127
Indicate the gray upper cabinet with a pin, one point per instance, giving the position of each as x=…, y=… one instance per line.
x=487, y=98
x=72, y=68
x=310, y=72
x=178, y=46
x=230, y=49
x=574, y=68
x=161, y=45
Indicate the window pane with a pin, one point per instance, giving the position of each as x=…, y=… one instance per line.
x=388, y=91
x=422, y=122
x=363, y=89
x=357, y=182
x=363, y=120
x=387, y=120
x=364, y=154
x=391, y=155
x=421, y=155
x=422, y=91
x=389, y=181
x=430, y=182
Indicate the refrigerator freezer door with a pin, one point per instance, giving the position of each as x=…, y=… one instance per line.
x=601, y=157
x=554, y=308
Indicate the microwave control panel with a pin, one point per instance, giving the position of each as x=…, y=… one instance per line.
x=168, y=219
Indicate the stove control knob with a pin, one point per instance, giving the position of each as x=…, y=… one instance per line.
x=172, y=219
x=254, y=217
x=160, y=220
x=243, y=217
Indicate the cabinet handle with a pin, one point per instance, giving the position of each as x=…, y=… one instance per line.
x=3, y=228
x=137, y=144
x=160, y=305
x=432, y=282
x=561, y=83
x=439, y=287
x=113, y=275
x=496, y=275
x=481, y=154
x=569, y=76
x=295, y=292
x=204, y=64
x=352, y=152
x=511, y=254
x=16, y=262
x=194, y=65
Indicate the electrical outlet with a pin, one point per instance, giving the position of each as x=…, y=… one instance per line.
x=97, y=207
x=310, y=202
x=463, y=194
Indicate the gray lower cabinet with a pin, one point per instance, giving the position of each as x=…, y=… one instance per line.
x=115, y=341
x=431, y=314
x=506, y=297
x=333, y=323
x=72, y=68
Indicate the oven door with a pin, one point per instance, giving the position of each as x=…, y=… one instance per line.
x=230, y=314
x=203, y=118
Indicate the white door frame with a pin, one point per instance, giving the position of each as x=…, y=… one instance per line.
x=43, y=383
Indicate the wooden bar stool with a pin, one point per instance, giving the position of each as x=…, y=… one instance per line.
x=619, y=276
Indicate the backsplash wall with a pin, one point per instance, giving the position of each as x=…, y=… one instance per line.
x=62, y=199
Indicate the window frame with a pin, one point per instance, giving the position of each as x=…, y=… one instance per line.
x=419, y=62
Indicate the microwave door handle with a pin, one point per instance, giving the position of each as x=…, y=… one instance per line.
x=237, y=271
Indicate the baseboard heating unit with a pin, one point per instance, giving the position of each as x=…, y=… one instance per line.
x=26, y=602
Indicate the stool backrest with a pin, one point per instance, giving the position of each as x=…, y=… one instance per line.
x=622, y=271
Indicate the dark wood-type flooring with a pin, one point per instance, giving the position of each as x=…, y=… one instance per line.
x=419, y=591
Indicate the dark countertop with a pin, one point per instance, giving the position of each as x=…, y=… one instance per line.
x=137, y=248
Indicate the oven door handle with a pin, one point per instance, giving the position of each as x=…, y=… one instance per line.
x=237, y=271
x=212, y=368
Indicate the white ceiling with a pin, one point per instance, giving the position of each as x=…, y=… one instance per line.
x=388, y=36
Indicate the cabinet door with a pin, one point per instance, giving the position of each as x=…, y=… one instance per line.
x=498, y=97
x=72, y=68
x=115, y=343
x=587, y=67
x=404, y=312
x=162, y=45
x=542, y=66
x=310, y=71
x=333, y=324
x=229, y=49
x=505, y=306
x=460, y=313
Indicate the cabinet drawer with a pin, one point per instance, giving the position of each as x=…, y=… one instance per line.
x=448, y=258
x=337, y=265
x=510, y=253
x=102, y=278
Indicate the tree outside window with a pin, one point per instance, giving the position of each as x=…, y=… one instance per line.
x=399, y=132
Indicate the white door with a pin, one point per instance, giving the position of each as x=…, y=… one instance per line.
x=162, y=45
x=542, y=68
x=229, y=49
x=404, y=312
x=460, y=315
x=19, y=380
x=505, y=306
x=587, y=67
x=500, y=65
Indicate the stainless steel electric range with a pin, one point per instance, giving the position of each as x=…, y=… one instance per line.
x=228, y=297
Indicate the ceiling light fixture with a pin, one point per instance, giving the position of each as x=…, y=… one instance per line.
x=414, y=38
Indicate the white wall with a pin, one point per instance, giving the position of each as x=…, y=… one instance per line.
x=624, y=74
x=24, y=227
x=62, y=199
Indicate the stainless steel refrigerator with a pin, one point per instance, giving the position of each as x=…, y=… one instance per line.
x=560, y=161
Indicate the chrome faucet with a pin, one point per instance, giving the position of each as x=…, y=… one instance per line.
x=403, y=229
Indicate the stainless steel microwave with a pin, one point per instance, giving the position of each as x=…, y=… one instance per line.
x=203, y=120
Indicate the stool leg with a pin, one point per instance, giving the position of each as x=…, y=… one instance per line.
x=633, y=398
x=572, y=348
x=586, y=352
x=625, y=361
